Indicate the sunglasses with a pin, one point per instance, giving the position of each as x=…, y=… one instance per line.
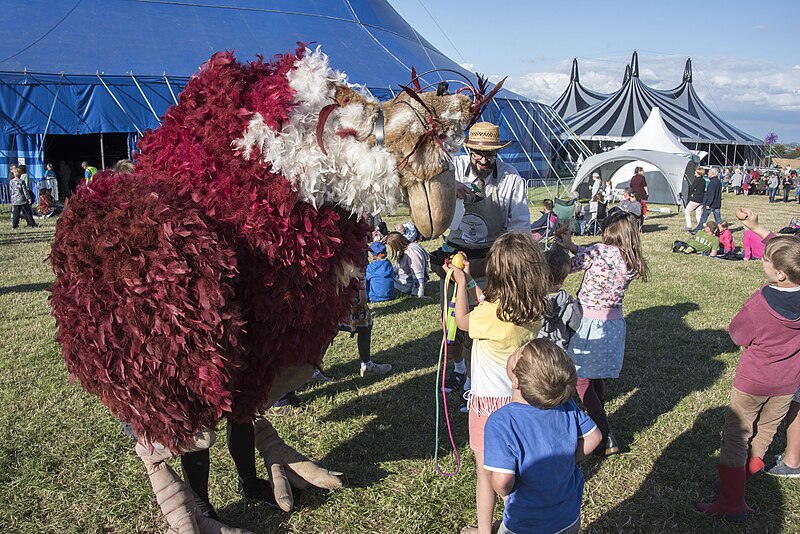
x=477, y=154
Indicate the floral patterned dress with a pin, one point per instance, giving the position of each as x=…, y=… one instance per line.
x=598, y=347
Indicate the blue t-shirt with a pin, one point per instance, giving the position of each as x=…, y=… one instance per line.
x=380, y=280
x=538, y=447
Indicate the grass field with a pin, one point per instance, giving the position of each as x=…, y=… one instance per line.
x=66, y=467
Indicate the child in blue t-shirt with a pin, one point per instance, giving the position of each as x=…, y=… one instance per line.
x=380, y=274
x=533, y=443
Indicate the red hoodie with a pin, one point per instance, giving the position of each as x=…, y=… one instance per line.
x=768, y=327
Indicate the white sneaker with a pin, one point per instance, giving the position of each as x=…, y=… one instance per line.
x=375, y=369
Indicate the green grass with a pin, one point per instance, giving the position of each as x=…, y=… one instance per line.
x=66, y=467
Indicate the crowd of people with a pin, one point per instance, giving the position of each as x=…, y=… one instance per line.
x=530, y=364
x=531, y=359
x=770, y=182
x=53, y=189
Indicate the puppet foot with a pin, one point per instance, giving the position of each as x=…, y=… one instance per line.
x=288, y=468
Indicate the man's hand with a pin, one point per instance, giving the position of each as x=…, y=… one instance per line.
x=464, y=192
x=748, y=217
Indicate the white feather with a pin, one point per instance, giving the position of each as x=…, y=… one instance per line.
x=360, y=178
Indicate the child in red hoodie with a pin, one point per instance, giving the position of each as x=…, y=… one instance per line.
x=768, y=374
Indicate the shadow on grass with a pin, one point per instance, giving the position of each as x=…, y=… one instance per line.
x=403, y=303
x=665, y=360
x=22, y=237
x=25, y=288
x=658, y=215
x=682, y=476
x=402, y=416
x=650, y=228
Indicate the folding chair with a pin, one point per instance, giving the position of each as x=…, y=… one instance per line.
x=595, y=226
x=544, y=232
x=565, y=211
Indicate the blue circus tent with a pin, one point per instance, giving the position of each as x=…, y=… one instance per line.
x=115, y=66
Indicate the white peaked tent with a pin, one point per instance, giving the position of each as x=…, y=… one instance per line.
x=653, y=144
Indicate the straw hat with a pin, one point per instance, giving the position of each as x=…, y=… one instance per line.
x=485, y=136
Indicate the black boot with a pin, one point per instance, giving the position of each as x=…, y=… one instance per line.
x=609, y=445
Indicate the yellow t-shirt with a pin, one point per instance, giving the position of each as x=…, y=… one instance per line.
x=494, y=341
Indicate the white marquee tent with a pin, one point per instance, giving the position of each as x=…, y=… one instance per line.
x=653, y=144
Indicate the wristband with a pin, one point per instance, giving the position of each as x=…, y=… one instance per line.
x=471, y=284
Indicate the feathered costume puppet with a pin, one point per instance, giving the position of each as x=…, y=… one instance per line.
x=206, y=284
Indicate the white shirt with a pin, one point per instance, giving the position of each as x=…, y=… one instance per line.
x=511, y=192
x=595, y=187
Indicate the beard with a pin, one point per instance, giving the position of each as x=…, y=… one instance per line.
x=483, y=174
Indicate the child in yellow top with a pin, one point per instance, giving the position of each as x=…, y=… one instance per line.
x=507, y=317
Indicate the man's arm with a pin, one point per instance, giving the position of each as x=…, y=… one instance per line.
x=519, y=216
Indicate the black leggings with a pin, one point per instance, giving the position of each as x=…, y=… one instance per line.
x=241, y=445
x=364, y=342
x=592, y=394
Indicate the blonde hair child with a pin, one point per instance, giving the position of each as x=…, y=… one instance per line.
x=533, y=443
x=507, y=317
x=598, y=347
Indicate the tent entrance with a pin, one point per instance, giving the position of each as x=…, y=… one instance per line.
x=76, y=148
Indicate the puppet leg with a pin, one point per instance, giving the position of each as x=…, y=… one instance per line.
x=176, y=500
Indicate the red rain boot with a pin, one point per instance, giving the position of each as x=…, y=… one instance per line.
x=754, y=466
x=730, y=505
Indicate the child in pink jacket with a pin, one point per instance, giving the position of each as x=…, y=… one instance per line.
x=726, y=238
x=753, y=245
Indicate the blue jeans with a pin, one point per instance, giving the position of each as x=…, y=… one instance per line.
x=704, y=218
x=772, y=191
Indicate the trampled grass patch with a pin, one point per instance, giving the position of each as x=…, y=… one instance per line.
x=66, y=467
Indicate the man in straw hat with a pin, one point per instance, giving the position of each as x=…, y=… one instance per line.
x=494, y=194
x=495, y=202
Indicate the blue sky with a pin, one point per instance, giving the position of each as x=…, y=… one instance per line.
x=745, y=55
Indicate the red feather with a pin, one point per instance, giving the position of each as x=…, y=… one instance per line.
x=324, y=113
x=415, y=80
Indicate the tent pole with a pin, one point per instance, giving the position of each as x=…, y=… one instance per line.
x=50, y=116
x=174, y=98
x=102, y=153
x=726, y=154
x=149, y=105
x=118, y=103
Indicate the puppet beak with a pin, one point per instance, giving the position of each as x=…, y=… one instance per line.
x=433, y=203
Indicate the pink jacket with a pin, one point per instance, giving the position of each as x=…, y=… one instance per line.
x=753, y=245
x=726, y=240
